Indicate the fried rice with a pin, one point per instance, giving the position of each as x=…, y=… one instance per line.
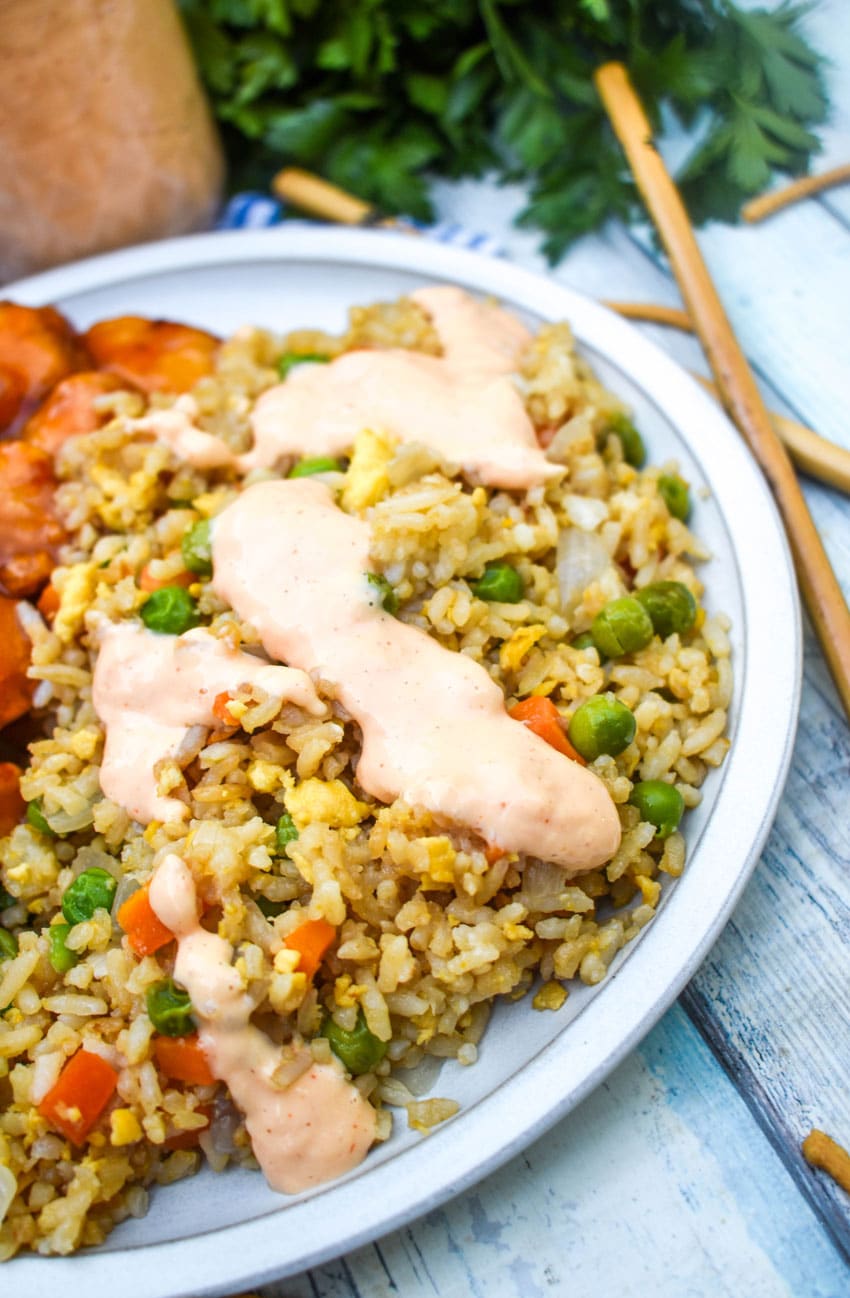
x=430, y=928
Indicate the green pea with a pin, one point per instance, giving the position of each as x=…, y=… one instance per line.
x=499, y=583
x=388, y=597
x=660, y=804
x=170, y=610
x=6, y=899
x=670, y=605
x=601, y=725
x=196, y=548
x=92, y=890
x=285, y=833
x=37, y=818
x=290, y=359
x=634, y=451
x=271, y=909
x=318, y=464
x=676, y=495
x=8, y=946
x=59, y=955
x=622, y=627
x=170, y=1009
x=359, y=1051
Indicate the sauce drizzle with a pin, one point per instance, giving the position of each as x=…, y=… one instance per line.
x=435, y=729
x=150, y=689
x=464, y=404
x=313, y=1130
x=175, y=428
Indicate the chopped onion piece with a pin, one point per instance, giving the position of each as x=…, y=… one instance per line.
x=126, y=887
x=582, y=559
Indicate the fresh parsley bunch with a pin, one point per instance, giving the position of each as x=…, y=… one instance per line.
x=377, y=94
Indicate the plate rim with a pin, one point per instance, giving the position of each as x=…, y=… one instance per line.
x=192, y=1267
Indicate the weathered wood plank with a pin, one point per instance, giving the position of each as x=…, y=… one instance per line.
x=828, y=28
x=772, y=997
x=789, y=306
x=659, y=1184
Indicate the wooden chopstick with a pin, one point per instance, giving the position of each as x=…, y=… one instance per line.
x=766, y=204
x=653, y=313
x=812, y=453
x=820, y=1150
x=320, y=198
x=738, y=390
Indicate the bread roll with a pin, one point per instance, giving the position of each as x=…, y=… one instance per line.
x=105, y=135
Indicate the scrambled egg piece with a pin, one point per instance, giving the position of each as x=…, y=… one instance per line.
x=650, y=889
x=265, y=777
x=286, y=960
x=76, y=594
x=366, y=480
x=347, y=993
x=551, y=996
x=441, y=861
x=124, y=1127
x=328, y=802
x=513, y=651
x=211, y=501
x=83, y=743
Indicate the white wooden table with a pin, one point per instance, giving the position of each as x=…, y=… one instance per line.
x=682, y=1175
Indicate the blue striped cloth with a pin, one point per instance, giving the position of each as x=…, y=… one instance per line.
x=253, y=211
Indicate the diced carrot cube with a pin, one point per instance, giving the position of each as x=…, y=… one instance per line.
x=84, y=1088
x=311, y=940
x=145, y=931
x=183, y=1060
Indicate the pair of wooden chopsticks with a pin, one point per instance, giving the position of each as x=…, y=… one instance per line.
x=735, y=386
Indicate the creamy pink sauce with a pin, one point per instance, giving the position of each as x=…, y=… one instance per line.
x=435, y=729
x=175, y=428
x=149, y=689
x=313, y=1130
x=463, y=404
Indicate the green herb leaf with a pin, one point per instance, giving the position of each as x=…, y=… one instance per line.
x=382, y=95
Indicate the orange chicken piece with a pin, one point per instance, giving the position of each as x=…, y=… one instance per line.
x=153, y=355
x=15, y=690
x=38, y=347
x=30, y=533
x=69, y=410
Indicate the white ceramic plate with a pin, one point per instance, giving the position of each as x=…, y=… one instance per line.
x=214, y=1234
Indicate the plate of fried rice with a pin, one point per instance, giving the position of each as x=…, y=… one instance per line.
x=408, y=660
